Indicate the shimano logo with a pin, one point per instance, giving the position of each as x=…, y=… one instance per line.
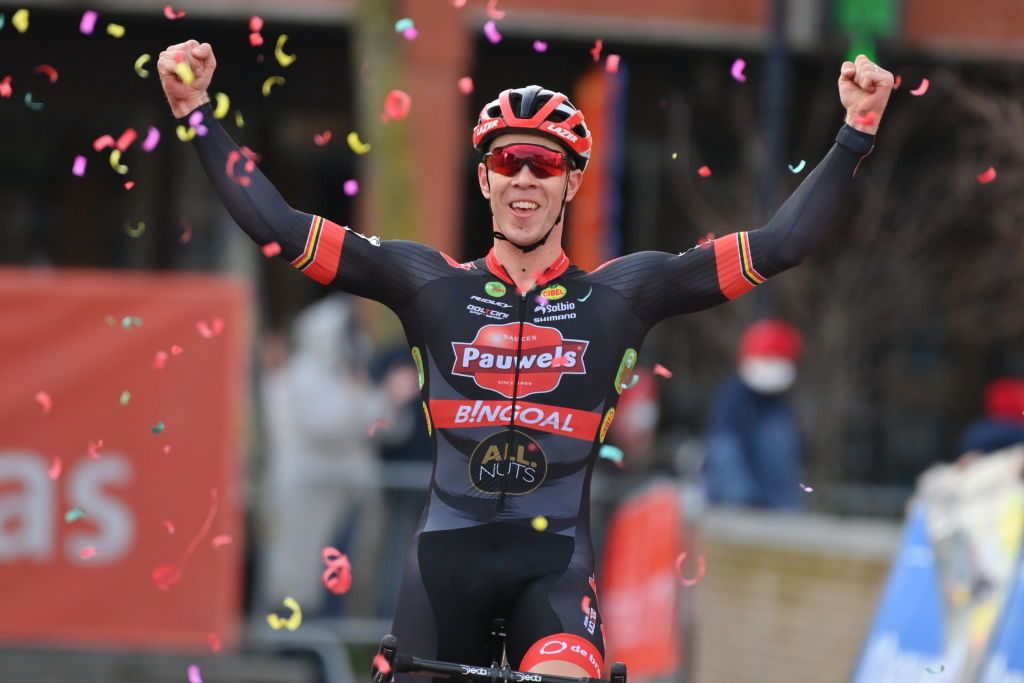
x=563, y=132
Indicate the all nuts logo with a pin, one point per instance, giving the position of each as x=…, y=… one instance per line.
x=508, y=461
x=491, y=360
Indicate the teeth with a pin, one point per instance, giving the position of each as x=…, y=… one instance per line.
x=529, y=206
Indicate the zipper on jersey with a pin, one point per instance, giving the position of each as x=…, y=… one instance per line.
x=515, y=397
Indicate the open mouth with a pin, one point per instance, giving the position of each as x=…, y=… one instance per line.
x=524, y=208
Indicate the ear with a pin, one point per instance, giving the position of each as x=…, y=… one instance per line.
x=575, y=180
x=481, y=174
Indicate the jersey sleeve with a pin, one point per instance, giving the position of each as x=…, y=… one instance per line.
x=389, y=271
x=658, y=285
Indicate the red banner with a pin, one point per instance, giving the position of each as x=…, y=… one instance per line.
x=455, y=414
x=120, y=477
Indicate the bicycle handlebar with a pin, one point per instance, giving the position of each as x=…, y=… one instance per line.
x=480, y=674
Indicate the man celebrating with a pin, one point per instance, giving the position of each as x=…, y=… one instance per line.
x=522, y=356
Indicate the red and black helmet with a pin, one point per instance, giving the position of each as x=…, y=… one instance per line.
x=534, y=109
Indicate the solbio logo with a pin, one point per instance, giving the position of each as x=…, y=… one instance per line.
x=540, y=353
x=495, y=288
x=508, y=461
x=553, y=293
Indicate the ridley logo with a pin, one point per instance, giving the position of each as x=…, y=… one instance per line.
x=542, y=356
x=558, y=130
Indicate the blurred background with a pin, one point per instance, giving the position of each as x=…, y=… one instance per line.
x=830, y=494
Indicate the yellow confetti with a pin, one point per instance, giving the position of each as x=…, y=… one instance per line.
x=135, y=231
x=292, y=622
x=20, y=20
x=282, y=58
x=115, y=30
x=539, y=523
x=223, y=104
x=115, y=162
x=270, y=83
x=239, y=120
x=185, y=133
x=184, y=72
x=140, y=66
x=356, y=145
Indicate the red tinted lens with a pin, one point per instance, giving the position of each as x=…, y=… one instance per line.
x=543, y=162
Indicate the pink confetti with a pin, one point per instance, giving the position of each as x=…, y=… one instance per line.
x=55, y=469
x=411, y=33
x=152, y=140
x=126, y=139
x=44, y=400
x=595, y=51
x=737, y=70
x=338, y=575
x=611, y=64
x=493, y=12
x=169, y=526
x=129, y=184
x=375, y=426
x=186, y=234
x=541, y=301
x=380, y=662
x=166, y=576
x=171, y=14
x=211, y=329
x=270, y=249
x=491, y=31
x=5, y=87
x=88, y=552
x=88, y=22
x=898, y=82
x=465, y=85
x=102, y=142
x=459, y=4
x=167, y=449
x=988, y=176
x=78, y=168
x=177, y=350
x=221, y=541
x=662, y=371
x=396, y=106
x=94, y=447
x=585, y=604
x=351, y=188
x=214, y=641
x=193, y=674
x=255, y=39
x=233, y=158
x=558, y=361
x=540, y=46
x=869, y=119
x=322, y=139
x=806, y=488
x=160, y=360
x=921, y=89
x=256, y=23
x=704, y=172
x=701, y=570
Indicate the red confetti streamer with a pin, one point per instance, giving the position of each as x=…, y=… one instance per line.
x=662, y=371
x=160, y=360
x=214, y=641
x=380, y=663
x=94, y=447
x=171, y=14
x=921, y=89
x=126, y=139
x=611, y=64
x=177, y=350
x=704, y=172
x=55, y=469
x=129, y=184
x=166, y=576
x=701, y=570
x=595, y=51
x=988, y=176
x=169, y=526
x=899, y=81
x=396, y=106
x=5, y=87
x=211, y=329
x=585, y=604
x=255, y=39
x=338, y=575
x=50, y=72
x=233, y=158
x=465, y=85
x=220, y=541
x=102, y=142
x=270, y=249
x=88, y=552
x=44, y=400
x=256, y=23
x=869, y=119
x=322, y=139
x=493, y=12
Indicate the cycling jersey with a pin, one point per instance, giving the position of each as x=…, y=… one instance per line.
x=519, y=388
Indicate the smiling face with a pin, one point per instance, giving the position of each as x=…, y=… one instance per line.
x=525, y=206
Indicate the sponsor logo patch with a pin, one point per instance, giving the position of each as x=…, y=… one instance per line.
x=553, y=293
x=495, y=288
x=508, y=461
x=489, y=313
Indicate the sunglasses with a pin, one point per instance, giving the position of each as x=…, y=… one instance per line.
x=543, y=162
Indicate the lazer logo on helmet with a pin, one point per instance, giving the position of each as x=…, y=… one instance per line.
x=486, y=126
x=540, y=354
x=508, y=461
x=561, y=132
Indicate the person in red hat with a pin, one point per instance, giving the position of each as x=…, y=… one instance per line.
x=755, y=449
x=1003, y=423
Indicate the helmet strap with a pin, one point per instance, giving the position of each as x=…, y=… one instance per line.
x=526, y=249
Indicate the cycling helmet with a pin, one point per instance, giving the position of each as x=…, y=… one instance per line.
x=534, y=109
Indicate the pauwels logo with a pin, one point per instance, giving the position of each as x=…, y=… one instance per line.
x=490, y=359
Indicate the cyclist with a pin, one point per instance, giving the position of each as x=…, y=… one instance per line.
x=521, y=355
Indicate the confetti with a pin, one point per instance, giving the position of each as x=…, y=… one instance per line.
x=737, y=70
x=632, y=383
x=88, y=552
x=662, y=371
x=130, y=321
x=177, y=350
x=223, y=104
x=125, y=397
x=799, y=167
x=255, y=39
x=94, y=447
x=193, y=669
x=704, y=172
x=167, y=449
x=214, y=641
x=78, y=168
x=337, y=577
x=410, y=33
x=171, y=14
x=115, y=162
x=186, y=234
x=491, y=31
x=539, y=523
x=403, y=24
x=50, y=72
x=541, y=301
x=185, y=133
x=701, y=570
x=459, y=4
x=255, y=23
x=5, y=87
x=169, y=526
x=152, y=139
x=20, y=20
x=351, y=188
x=158, y=428
x=129, y=184
x=396, y=106
x=55, y=469
x=45, y=401
x=73, y=515
x=493, y=12
x=322, y=139
x=135, y=231
x=160, y=360
x=116, y=30
x=585, y=604
x=283, y=59
x=375, y=426
x=613, y=453
x=595, y=51
x=166, y=576
x=292, y=622
x=540, y=46
x=356, y=145
x=220, y=541
x=806, y=488
x=270, y=83
x=587, y=296
x=869, y=119
x=32, y=104
x=465, y=85
x=233, y=158
x=211, y=329
x=381, y=664
x=935, y=670
x=988, y=176
x=611, y=64
x=88, y=22
x=270, y=249
x=921, y=89
x=195, y=120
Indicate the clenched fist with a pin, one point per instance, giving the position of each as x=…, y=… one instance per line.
x=864, y=89
x=185, y=72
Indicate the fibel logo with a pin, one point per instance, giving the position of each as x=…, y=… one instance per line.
x=495, y=288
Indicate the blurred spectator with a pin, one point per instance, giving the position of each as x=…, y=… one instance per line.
x=634, y=428
x=322, y=468
x=1003, y=423
x=755, y=449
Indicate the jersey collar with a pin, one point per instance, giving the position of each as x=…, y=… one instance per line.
x=557, y=268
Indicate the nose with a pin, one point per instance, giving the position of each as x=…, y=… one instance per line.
x=524, y=177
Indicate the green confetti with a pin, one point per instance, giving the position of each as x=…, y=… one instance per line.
x=158, y=427
x=125, y=397
x=610, y=452
x=799, y=167
x=73, y=515
x=130, y=321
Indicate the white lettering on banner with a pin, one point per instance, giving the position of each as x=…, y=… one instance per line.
x=31, y=511
x=529, y=415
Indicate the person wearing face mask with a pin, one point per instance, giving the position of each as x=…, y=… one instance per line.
x=755, y=449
